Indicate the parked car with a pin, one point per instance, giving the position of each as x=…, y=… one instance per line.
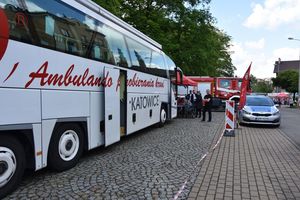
x=259, y=109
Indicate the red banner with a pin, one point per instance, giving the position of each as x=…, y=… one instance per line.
x=244, y=87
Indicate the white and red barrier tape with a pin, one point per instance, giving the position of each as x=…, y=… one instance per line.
x=229, y=126
x=202, y=158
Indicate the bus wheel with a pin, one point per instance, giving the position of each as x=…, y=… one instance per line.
x=66, y=147
x=12, y=164
x=163, y=116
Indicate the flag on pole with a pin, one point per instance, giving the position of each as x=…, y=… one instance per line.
x=244, y=87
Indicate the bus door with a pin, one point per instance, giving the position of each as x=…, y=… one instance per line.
x=112, y=106
x=173, y=101
x=123, y=102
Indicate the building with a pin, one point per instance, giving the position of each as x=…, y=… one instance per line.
x=281, y=66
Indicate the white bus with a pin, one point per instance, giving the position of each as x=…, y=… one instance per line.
x=73, y=77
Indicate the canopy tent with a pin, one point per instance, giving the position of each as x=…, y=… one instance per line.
x=283, y=95
x=185, y=81
x=188, y=81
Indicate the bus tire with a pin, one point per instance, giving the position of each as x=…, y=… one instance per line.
x=66, y=147
x=12, y=164
x=162, y=116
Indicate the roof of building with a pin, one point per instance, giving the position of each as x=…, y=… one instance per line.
x=286, y=65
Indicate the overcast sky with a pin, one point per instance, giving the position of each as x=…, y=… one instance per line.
x=259, y=31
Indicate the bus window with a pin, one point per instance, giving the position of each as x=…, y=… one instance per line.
x=100, y=50
x=3, y=3
x=157, y=64
x=55, y=25
x=49, y=25
x=171, y=65
x=140, y=55
x=96, y=52
x=18, y=24
x=117, y=46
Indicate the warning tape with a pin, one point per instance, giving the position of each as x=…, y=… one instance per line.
x=186, y=181
x=219, y=140
x=202, y=158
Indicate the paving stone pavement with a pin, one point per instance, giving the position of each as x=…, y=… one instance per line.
x=151, y=164
x=258, y=163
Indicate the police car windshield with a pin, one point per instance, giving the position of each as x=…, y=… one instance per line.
x=259, y=101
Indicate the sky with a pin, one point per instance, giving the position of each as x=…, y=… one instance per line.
x=260, y=30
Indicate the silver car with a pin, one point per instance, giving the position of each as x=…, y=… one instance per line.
x=259, y=110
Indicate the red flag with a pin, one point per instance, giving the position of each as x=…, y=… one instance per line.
x=244, y=87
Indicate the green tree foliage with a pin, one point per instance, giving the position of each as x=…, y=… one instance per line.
x=262, y=86
x=186, y=30
x=287, y=80
x=253, y=80
x=112, y=6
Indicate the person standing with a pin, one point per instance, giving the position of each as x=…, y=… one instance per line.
x=189, y=95
x=194, y=102
x=199, y=104
x=192, y=98
x=207, y=105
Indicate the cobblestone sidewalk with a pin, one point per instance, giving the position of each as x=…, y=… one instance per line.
x=258, y=163
x=150, y=164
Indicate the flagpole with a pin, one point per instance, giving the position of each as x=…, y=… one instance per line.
x=244, y=87
x=243, y=92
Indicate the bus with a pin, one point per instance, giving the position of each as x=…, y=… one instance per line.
x=74, y=77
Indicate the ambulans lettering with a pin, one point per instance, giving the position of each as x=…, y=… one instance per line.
x=144, y=102
x=68, y=78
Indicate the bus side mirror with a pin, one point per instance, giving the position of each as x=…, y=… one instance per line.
x=179, y=76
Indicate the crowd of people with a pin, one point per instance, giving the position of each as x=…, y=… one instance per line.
x=284, y=101
x=195, y=106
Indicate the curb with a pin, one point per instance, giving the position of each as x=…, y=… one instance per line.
x=288, y=138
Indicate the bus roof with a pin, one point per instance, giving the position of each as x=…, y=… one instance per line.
x=101, y=11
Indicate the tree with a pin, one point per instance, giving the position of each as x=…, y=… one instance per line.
x=287, y=80
x=253, y=80
x=186, y=30
x=262, y=86
x=112, y=6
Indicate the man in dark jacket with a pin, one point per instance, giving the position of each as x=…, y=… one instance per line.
x=207, y=105
x=192, y=97
x=198, y=104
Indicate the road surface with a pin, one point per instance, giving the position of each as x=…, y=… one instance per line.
x=290, y=123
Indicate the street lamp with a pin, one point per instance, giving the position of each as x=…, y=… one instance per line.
x=278, y=67
x=290, y=38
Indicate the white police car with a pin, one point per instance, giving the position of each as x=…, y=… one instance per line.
x=259, y=109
